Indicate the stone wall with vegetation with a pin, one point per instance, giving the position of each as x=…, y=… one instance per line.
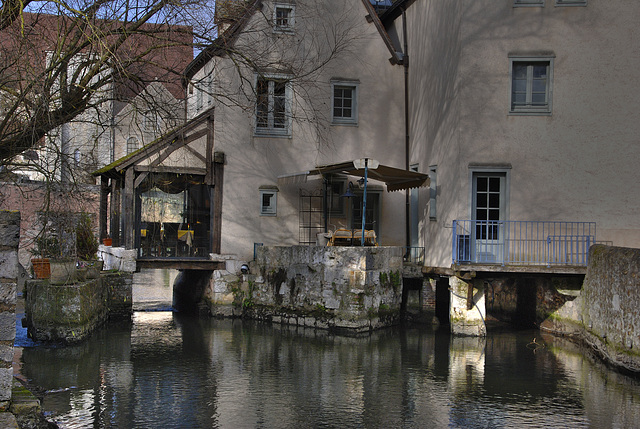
x=605, y=314
x=352, y=288
x=69, y=313
x=9, y=240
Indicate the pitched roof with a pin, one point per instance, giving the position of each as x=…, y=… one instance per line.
x=224, y=41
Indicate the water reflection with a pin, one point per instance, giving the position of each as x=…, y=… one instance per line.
x=153, y=289
x=177, y=372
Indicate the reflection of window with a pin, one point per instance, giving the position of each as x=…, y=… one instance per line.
x=132, y=145
x=283, y=17
x=531, y=85
x=272, y=106
x=268, y=202
x=344, y=103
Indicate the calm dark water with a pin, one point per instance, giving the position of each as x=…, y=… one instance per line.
x=167, y=371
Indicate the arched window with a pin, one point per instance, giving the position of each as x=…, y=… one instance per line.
x=132, y=145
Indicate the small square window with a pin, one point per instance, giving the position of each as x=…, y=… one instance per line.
x=268, y=202
x=344, y=103
x=283, y=18
x=531, y=86
x=528, y=3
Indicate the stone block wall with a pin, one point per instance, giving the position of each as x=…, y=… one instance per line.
x=605, y=314
x=9, y=241
x=354, y=288
x=69, y=313
x=119, y=287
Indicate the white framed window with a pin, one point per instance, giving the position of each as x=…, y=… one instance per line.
x=268, y=202
x=283, y=18
x=344, y=102
x=273, y=106
x=571, y=2
x=528, y=3
x=531, y=89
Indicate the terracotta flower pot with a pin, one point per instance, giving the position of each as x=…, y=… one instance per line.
x=107, y=241
x=41, y=268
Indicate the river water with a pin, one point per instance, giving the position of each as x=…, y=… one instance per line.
x=169, y=371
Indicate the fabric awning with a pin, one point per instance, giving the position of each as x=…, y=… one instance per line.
x=396, y=179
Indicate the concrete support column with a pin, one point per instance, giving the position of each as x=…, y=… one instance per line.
x=9, y=239
x=467, y=311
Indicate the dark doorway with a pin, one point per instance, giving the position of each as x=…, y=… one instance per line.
x=443, y=300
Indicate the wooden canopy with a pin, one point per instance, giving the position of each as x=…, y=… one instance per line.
x=396, y=179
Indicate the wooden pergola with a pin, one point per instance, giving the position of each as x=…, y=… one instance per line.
x=183, y=157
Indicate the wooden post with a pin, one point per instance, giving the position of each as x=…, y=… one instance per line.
x=114, y=223
x=216, y=203
x=104, y=206
x=209, y=179
x=128, y=209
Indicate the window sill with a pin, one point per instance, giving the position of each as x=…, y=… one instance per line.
x=345, y=123
x=529, y=113
x=283, y=31
x=272, y=134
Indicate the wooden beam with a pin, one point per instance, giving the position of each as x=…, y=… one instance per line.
x=469, y=295
x=175, y=146
x=181, y=264
x=196, y=154
x=116, y=206
x=104, y=206
x=216, y=206
x=128, y=209
x=209, y=161
x=176, y=170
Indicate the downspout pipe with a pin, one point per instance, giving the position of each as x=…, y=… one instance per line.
x=405, y=64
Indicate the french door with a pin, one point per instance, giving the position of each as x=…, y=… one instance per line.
x=489, y=203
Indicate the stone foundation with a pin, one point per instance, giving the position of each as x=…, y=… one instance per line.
x=467, y=316
x=69, y=313
x=346, y=288
x=605, y=315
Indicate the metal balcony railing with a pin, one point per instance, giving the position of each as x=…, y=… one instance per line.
x=522, y=242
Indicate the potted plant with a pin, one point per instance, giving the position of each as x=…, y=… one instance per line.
x=107, y=241
x=44, y=248
x=87, y=247
x=63, y=263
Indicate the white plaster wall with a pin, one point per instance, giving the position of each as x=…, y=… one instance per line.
x=577, y=164
x=252, y=162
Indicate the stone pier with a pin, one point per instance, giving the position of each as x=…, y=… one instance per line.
x=467, y=312
x=344, y=288
x=70, y=313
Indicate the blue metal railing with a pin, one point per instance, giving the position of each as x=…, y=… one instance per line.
x=522, y=242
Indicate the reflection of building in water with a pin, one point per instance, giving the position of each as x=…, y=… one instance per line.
x=466, y=363
x=153, y=288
